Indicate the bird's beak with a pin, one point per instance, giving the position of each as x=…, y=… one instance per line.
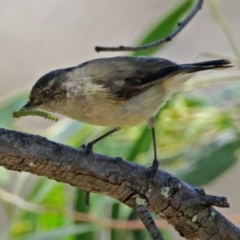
x=27, y=106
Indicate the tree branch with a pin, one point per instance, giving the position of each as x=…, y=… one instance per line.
x=179, y=28
x=187, y=208
x=141, y=210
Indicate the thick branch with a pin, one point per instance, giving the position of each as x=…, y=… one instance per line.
x=187, y=208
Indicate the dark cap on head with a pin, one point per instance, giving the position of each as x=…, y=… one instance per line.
x=45, y=79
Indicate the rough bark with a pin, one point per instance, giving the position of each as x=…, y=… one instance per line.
x=187, y=208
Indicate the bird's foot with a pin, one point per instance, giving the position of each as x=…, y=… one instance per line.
x=152, y=171
x=87, y=148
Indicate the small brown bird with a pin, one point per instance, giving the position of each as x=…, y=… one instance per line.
x=114, y=91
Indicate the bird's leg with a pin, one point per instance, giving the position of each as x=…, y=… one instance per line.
x=152, y=171
x=88, y=147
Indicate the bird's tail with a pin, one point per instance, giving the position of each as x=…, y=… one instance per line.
x=172, y=84
x=202, y=66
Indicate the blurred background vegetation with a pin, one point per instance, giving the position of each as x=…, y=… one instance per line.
x=197, y=135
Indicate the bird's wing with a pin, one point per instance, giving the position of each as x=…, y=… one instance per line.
x=126, y=77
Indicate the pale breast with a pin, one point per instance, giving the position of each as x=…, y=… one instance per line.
x=99, y=108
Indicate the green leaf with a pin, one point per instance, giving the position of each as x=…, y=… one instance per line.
x=41, y=189
x=211, y=164
x=163, y=28
x=141, y=145
x=115, y=215
x=144, y=141
x=49, y=193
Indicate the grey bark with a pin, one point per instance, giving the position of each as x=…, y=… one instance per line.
x=187, y=208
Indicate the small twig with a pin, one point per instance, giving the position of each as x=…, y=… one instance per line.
x=180, y=26
x=216, y=201
x=210, y=200
x=143, y=213
x=225, y=27
x=86, y=217
x=80, y=216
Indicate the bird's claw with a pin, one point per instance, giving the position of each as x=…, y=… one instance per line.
x=87, y=148
x=152, y=171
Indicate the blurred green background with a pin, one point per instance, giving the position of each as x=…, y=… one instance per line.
x=197, y=131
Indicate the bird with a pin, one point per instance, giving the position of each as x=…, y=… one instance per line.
x=115, y=92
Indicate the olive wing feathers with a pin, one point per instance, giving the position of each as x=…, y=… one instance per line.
x=126, y=77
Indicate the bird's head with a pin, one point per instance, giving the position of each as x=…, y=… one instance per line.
x=49, y=92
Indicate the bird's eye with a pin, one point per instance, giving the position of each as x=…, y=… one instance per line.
x=59, y=96
x=45, y=93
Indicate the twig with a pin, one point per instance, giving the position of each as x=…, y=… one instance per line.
x=86, y=217
x=225, y=27
x=179, y=28
x=80, y=216
x=143, y=213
